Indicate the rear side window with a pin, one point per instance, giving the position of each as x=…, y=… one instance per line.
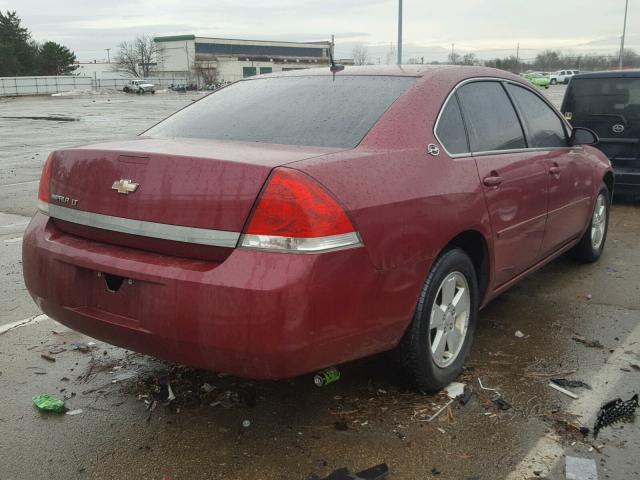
x=543, y=125
x=491, y=121
x=450, y=129
x=315, y=110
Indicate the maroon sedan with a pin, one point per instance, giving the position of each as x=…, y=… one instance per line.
x=295, y=221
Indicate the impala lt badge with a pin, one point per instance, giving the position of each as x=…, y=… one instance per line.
x=125, y=186
x=64, y=200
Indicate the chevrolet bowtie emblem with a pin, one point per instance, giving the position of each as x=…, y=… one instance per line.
x=124, y=186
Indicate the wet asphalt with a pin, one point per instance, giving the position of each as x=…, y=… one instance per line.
x=294, y=428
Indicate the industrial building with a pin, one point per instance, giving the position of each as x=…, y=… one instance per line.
x=210, y=60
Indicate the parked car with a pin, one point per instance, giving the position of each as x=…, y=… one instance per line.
x=139, y=86
x=271, y=242
x=609, y=104
x=537, y=79
x=562, y=76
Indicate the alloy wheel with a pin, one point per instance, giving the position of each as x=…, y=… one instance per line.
x=449, y=319
x=599, y=222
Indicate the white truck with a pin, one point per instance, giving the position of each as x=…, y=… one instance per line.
x=139, y=86
x=562, y=76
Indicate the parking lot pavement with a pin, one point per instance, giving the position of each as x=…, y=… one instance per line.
x=294, y=428
x=60, y=122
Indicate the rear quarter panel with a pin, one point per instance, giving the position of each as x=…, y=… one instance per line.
x=406, y=204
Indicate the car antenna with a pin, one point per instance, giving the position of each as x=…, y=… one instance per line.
x=335, y=67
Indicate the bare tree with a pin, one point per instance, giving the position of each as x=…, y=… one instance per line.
x=454, y=58
x=391, y=55
x=207, y=71
x=469, y=59
x=138, y=56
x=360, y=54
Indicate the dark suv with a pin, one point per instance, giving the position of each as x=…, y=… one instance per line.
x=609, y=104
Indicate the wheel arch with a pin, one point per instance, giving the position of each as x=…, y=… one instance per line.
x=474, y=244
x=608, y=181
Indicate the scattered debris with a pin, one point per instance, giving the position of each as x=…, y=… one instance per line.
x=246, y=423
x=502, y=404
x=341, y=425
x=466, y=396
x=379, y=472
x=48, y=358
x=330, y=375
x=565, y=383
x=207, y=388
x=615, y=411
x=77, y=411
x=563, y=390
x=455, y=389
x=580, y=468
x=482, y=387
x=48, y=403
x=519, y=334
x=568, y=421
x=587, y=342
x=442, y=409
x=82, y=347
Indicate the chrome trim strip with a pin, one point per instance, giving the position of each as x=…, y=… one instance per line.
x=176, y=233
x=274, y=243
x=564, y=121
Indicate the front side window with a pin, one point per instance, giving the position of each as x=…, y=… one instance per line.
x=491, y=121
x=450, y=129
x=543, y=125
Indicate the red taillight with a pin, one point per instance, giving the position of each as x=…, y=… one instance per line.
x=296, y=213
x=44, y=190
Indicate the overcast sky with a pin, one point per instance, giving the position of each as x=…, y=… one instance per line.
x=487, y=27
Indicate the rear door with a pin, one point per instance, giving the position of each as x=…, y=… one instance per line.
x=514, y=180
x=568, y=175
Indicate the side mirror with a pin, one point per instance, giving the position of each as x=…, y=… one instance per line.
x=583, y=136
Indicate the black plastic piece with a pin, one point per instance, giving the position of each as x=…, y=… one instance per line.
x=615, y=411
x=379, y=472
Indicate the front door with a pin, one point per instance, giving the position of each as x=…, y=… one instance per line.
x=568, y=176
x=514, y=179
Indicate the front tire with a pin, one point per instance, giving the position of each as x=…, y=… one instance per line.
x=439, y=337
x=591, y=245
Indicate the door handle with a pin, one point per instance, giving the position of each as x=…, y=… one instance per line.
x=492, y=181
x=555, y=170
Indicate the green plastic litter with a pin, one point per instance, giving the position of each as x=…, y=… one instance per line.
x=48, y=403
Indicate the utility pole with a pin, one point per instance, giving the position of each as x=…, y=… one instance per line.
x=399, y=32
x=332, y=44
x=624, y=30
x=453, y=59
x=108, y=57
x=518, y=57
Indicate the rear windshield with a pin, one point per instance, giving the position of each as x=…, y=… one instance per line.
x=313, y=110
x=595, y=98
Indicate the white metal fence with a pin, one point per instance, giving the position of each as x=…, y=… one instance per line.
x=15, y=86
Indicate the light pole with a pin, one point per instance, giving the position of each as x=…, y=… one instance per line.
x=399, y=32
x=624, y=30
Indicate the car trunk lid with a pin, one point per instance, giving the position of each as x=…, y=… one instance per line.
x=164, y=195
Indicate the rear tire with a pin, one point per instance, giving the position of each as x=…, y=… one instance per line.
x=553, y=81
x=591, y=245
x=439, y=337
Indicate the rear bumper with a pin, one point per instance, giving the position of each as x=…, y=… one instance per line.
x=256, y=315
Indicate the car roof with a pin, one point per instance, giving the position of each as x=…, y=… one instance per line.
x=420, y=71
x=610, y=74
